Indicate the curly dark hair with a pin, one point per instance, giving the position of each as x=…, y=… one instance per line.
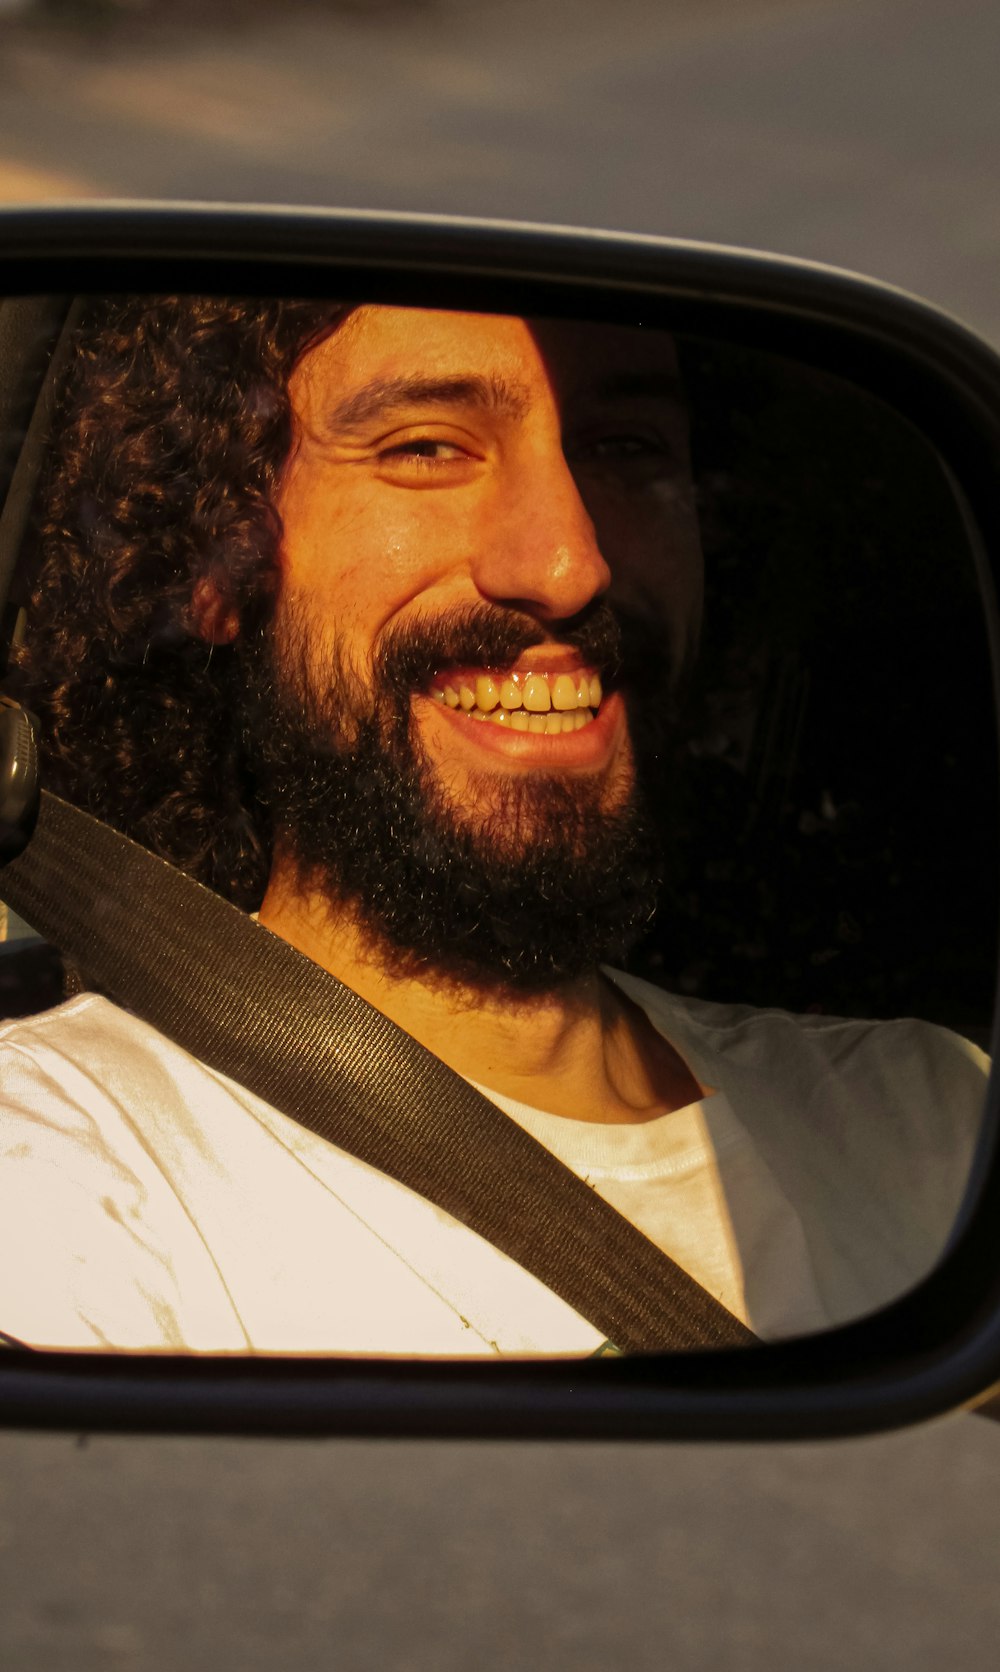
x=174, y=425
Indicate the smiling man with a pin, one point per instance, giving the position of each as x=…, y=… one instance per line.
x=375, y=620
x=490, y=578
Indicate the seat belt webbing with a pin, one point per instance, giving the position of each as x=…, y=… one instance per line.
x=250, y=1006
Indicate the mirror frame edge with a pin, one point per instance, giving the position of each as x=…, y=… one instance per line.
x=912, y=1361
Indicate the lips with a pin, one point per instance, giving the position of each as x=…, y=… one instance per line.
x=535, y=700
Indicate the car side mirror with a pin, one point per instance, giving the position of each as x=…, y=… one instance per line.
x=648, y=590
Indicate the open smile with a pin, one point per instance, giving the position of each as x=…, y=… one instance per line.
x=550, y=703
x=548, y=711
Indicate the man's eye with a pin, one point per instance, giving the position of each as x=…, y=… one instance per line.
x=422, y=451
x=620, y=447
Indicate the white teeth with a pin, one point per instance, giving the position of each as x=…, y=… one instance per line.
x=564, y=693
x=487, y=694
x=535, y=693
x=567, y=700
x=552, y=724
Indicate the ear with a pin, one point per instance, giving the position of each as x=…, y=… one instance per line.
x=215, y=619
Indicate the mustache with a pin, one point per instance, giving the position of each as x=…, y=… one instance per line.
x=619, y=644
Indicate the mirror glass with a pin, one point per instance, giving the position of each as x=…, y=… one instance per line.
x=610, y=707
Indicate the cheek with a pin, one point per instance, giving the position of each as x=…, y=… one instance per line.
x=363, y=550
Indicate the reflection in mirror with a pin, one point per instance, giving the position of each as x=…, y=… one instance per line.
x=609, y=708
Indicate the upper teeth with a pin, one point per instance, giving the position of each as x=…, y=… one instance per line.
x=535, y=692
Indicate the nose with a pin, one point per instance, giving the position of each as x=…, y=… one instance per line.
x=542, y=554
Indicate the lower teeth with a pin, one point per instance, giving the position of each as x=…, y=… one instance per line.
x=550, y=724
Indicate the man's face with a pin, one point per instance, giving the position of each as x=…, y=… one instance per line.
x=495, y=519
x=444, y=461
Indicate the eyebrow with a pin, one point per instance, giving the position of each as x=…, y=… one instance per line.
x=385, y=395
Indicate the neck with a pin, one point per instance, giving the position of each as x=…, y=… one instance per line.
x=581, y=1050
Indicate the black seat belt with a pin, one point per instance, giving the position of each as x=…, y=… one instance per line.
x=249, y=1005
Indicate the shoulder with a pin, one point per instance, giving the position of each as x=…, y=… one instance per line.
x=89, y=1085
x=870, y=1128
x=89, y=1077
x=901, y=1093
x=740, y=1033
x=84, y=1024
x=88, y=1035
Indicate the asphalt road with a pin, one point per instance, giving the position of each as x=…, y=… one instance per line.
x=145, y=1554
x=867, y=134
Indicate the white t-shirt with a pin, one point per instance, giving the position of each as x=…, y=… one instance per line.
x=147, y=1202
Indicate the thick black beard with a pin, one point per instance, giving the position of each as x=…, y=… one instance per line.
x=529, y=897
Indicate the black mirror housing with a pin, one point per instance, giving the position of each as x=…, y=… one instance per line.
x=936, y=1348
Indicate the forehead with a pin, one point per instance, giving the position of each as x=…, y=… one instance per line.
x=574, y=358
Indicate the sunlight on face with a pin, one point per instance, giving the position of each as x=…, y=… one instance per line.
x=447, y=463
